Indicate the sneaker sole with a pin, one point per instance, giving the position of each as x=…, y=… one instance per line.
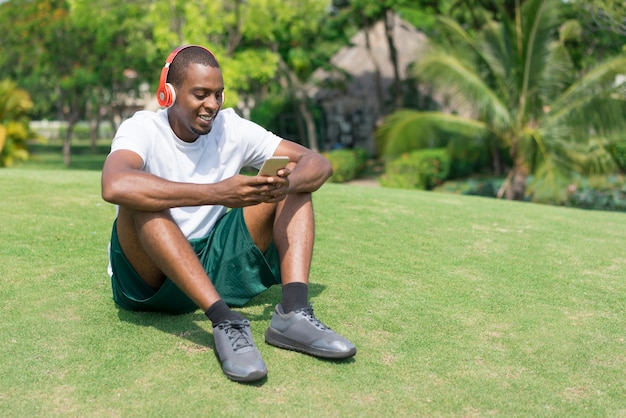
x=252, y=377
x=277, y=339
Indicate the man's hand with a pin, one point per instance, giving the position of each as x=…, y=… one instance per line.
x=240, y=191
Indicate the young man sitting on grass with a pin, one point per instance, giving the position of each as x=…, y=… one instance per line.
x=175, y=244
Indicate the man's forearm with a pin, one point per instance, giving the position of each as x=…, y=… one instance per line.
x=309, y=174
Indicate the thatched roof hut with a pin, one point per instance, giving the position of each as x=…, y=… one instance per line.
x=348, y=93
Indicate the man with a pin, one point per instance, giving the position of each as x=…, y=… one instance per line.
x=175, y=246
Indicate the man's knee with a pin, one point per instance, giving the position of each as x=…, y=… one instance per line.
x=259, y=220
x=132, y=236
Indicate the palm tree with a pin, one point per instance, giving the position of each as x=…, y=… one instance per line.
x=513, y=86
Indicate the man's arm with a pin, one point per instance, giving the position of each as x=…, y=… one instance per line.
x=307, y=170
x=125, y=184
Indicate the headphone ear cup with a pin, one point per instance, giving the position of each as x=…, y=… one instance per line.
x=172, y=96
x=166, y=95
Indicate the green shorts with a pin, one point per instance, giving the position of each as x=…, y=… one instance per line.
x=238, y=269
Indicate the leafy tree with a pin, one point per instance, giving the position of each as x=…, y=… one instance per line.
x=14, y=132
x=221, y=26
x=75, y=58
x=264, y=46
x=514, y=85
x=121, y=56
x=364, y=14
x=599, y=30
x=607, y=14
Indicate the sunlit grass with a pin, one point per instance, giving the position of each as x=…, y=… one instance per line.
x=459, y=306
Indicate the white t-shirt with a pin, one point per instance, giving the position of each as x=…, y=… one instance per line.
x=232, y=144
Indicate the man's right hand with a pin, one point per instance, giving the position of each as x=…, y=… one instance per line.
x=240, y=190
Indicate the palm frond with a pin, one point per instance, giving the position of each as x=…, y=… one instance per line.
x=468, y=92
x=539, y=21
x=592, y=104
x=558, y=75
x=407, y=130
x=494, y=43
x=549, y=184
x=462, y=41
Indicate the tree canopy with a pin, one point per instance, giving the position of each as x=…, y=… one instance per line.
x=81, y=60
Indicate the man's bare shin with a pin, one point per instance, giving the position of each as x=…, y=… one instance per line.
x=294, y=233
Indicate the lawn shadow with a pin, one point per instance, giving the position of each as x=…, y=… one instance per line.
x=184, y=325
x=187, y=325
x=271, y=297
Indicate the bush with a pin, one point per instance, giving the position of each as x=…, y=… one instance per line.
x=478, y=186
x=422, y=169
x=618, y=151
x=15, y=104
x=347, y=164
x=467, y=160
x=80, y=131
x=598, y=193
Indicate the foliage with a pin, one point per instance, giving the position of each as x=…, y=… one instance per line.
x=607, y=193
x=618, y=151
x=422, y=169
x=15, y=104
x=347, y=164
x=473, y=186
x=266, y=112
x=611, y=199
x=467, y=158
x=514, y=86
x=80, y=61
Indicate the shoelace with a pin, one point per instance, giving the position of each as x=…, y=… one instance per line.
x=235, y=331
x=308, y=312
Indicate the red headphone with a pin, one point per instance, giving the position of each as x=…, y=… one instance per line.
x=166, y=95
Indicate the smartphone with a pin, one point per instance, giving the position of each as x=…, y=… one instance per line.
x=272, y=165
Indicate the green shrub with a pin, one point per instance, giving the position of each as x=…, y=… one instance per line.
x=347, y=164
x=475, y=186
x=361, y=155
x=618, y=151
x=598, y=193
x=15, y=103
x=467, y=160
x=422, y=169
x=80, y=131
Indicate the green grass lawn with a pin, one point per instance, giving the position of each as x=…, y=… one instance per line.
x=459, y=306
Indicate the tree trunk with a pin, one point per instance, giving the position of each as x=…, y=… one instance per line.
x=398, y=99
x=496, y=160
x=94, y=124
x=310, y=125
x=517, y=187
x=298, y=93
x=380, y=96
x=67, y=144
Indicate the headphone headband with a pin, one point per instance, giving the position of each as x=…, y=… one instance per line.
x=166, y=95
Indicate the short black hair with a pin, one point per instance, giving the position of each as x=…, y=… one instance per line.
x=190, y=55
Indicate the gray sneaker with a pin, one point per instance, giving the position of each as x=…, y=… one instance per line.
x=301, y=331
x=239, y=357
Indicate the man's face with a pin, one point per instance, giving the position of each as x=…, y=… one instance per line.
x=198, y=101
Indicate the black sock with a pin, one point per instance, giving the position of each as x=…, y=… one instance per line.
x=220, y=312
x=295, y=296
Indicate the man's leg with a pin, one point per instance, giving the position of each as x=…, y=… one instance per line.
x=157, y=249
x=291, y=225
